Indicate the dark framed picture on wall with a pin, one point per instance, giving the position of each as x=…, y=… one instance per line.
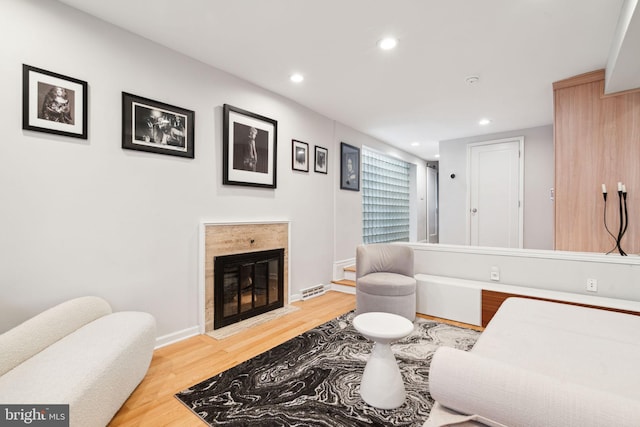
x=299, y=156
x=53, y=103
x=249, y=148
x=156, y=127
x=349, y=167
x=321, y=159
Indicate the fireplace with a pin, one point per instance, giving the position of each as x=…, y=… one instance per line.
x=247, y=284
x=219, y=239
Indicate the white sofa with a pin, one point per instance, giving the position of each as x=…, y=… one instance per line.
x=78, y=353
x=542, y=364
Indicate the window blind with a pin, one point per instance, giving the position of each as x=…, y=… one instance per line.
x=385, y=198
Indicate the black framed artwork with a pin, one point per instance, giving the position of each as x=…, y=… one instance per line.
x=349, y=167
x=321, y=159
x=299, y=156
x=249, y=148
x=53, y=103
x=156, y=127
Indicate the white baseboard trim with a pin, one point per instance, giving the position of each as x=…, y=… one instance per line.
x=174, y=337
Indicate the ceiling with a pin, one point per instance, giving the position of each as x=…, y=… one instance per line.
x=415, y=93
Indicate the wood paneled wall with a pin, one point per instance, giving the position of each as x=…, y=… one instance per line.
x=597, y=141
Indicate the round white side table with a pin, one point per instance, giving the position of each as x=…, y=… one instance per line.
x=382, y=385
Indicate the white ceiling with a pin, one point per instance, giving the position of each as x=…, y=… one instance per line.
x=415, y=93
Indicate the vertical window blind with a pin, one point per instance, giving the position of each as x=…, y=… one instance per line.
x=385, y=198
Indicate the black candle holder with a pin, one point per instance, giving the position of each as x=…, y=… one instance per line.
x=624, y=222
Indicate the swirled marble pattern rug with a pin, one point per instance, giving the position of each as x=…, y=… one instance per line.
x=314, y=380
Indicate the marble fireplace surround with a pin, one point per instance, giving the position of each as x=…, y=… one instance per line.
x=229, y=238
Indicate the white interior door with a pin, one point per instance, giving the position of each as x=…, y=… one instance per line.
x=432, y=205
x=495, y=193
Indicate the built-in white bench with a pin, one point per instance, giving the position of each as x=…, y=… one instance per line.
x=462, y=300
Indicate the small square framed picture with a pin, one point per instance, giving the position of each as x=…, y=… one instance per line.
x=53, y=103
x=321, y=159
x=299, y=156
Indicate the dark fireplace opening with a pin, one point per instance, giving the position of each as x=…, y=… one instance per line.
x=246, y=285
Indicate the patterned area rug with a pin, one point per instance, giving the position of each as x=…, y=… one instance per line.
x=314, y=380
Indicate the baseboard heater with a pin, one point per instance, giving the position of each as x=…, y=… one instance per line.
x=313, y=291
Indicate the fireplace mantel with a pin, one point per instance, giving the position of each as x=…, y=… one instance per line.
x=228, y=238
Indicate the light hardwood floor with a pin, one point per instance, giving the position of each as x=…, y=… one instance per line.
x=181, y=365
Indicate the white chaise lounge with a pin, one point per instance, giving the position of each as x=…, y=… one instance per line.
x=77, y=353
x=542, y=364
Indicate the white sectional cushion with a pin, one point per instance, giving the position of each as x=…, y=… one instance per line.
x=39, y=332
x=584, y=346
x=501, y=394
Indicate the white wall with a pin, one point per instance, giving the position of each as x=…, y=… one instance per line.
x=538, y=180
x=85, y=217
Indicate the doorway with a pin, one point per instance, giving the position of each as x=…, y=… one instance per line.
x=495, y=183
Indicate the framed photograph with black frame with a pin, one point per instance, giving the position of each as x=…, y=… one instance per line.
x=349, y=167
x=156, y=127
x=249, y=148
x=299, y=156
x=321, y=159
x=53, y=103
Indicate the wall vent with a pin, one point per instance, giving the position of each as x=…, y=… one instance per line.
x=313, y=291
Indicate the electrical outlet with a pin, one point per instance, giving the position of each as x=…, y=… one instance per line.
x=592, y=285
x=495, y=274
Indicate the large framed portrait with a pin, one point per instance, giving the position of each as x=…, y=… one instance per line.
x=321, y=159
x=156, y=127
x=299, y=156
x=53, y=103
x=349, y=167
x=249, y=148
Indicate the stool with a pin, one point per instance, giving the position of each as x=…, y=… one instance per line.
x=382, y=385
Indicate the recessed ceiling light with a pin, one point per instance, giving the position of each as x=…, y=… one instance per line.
x=484, y=122
x=296, y=78
x=437, y=156
x=388, y=43
x=415, y=144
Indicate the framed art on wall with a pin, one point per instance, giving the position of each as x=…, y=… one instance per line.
x=321, y=159
x=156, y=127
x=349, y=167
x=299, y=156
x=249, y=148
x=53, y=103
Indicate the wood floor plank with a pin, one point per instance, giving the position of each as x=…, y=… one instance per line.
x=452, y=322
